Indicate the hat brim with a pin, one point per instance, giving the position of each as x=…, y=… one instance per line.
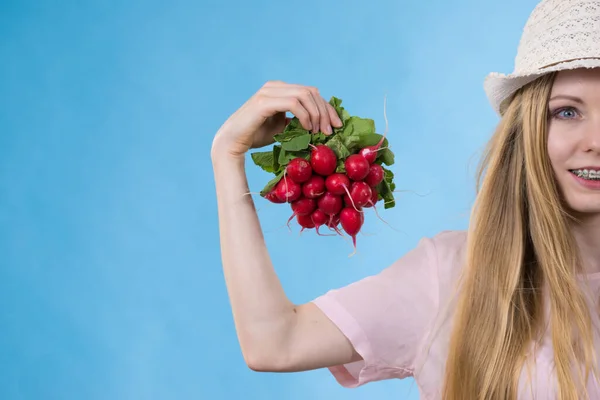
x=500, y=87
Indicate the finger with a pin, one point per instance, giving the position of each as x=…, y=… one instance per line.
x=298, y=108
x=303, y=94
x=270, y=105
x=312, y=105
x=324, y=121
x=334, y=117
x=274, y=83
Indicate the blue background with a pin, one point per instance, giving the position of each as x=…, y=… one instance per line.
x=110, y=277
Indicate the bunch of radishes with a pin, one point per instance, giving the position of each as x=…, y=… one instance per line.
x=329, y=180
x=320, y=196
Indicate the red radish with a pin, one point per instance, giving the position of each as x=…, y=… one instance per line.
x=323, y=160
x=336, y=183
x=305, y=221
x=304, y=206
x=319, y=218
x=374, y=199
x=287, y=190
x=272, y=197
x=357, y=167
x=351, y=221
x=375, y=175
x=314, y=187
x=329, y=203
x=299, y=170
x=360, y=193
x=369, y=153
x=347, y=201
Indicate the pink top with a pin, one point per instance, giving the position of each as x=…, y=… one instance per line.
x=398, y=321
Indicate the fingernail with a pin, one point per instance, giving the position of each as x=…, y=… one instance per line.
x=328, y=129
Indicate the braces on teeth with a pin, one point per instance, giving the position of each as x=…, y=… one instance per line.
x=587, y=174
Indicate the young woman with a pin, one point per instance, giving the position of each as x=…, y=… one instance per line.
x=506, y=310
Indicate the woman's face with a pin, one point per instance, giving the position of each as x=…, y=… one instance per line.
x=574, y=138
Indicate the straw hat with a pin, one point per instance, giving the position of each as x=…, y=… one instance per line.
x=559, y=35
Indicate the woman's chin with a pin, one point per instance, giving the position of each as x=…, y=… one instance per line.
x=584, y=204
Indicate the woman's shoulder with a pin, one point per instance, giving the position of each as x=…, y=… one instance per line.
x=450, y=240
x=449, y=248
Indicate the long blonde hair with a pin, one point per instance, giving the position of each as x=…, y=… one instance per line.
x=519, y=242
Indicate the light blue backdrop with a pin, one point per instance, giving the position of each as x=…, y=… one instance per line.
x=110, y=277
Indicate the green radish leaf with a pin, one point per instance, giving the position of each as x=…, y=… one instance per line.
x=347, y=130
x=271, y=184
x=369, y=139
x=276, y=165
x=361, y=126
x=294, y=140
x=294, y=125
x=337, y=105
x=302, y=154
x=337, y=131
x=386, y=195
x=282, y=159
x=356, y=126
x=386, y=156
x=386, y=189
x=318, y=138
x=341, y=167
x=361, y=140
x=297, y=143
x=335, y=102
x=286, y=136
x=337, y=145
x=389, y=177
x=358, y=132
x=286, y=156
x=264, y=159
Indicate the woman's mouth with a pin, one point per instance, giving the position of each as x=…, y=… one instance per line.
x=587, y=174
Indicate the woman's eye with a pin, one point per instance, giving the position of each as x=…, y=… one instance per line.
x=565, y=113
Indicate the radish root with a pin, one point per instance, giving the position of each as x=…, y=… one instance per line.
x=355, y=251
x=323, y=234
x=317, y=226
x=335, y=228
x=382, y=220
x=290, y=220
x=411, y=191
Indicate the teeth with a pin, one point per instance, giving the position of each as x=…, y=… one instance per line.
x=587, y=174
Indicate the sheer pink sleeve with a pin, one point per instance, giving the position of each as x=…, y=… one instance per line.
x=386, y=316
